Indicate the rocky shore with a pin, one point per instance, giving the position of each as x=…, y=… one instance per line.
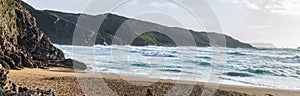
x=24, y=45
x=9, y=88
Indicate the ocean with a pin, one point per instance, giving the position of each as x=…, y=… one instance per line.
x=267, y=68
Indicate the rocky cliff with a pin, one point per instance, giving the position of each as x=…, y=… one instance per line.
x=59, y=26
x=23, y=44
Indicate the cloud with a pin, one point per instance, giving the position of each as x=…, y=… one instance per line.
x=134, y=2
x=163, y=5
x=259, y=26
x=251, y=5
x=282, y=7
x=261, y=32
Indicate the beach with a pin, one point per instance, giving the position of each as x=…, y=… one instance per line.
x=63, y=81
x=48, y=39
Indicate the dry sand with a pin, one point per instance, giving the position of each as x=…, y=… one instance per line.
x=64, y=82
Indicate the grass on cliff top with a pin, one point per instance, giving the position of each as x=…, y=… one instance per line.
x=7, y=5
x=8, y=15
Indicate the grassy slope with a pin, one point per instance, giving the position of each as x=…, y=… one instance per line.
x=60, y=27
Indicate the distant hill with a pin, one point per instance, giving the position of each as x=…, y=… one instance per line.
x=60, y=27
x=263, y=45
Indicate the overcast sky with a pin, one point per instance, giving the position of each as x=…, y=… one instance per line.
x=250, y=21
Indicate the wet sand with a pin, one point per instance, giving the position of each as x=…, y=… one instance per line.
x=64, y=82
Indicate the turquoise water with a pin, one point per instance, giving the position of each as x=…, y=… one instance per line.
x=271, y=68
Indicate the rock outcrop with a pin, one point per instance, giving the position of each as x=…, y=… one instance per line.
x=23, y=44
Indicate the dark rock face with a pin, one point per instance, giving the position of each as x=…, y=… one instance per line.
x=23, y=44
x=32, y=41
x=60, y=28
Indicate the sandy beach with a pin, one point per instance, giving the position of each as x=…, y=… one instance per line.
x=64, y=82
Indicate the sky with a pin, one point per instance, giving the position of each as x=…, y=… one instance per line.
x=250, y=21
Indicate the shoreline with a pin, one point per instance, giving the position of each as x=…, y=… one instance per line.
x=63, y=81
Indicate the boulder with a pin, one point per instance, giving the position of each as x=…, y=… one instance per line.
x=75, y=64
